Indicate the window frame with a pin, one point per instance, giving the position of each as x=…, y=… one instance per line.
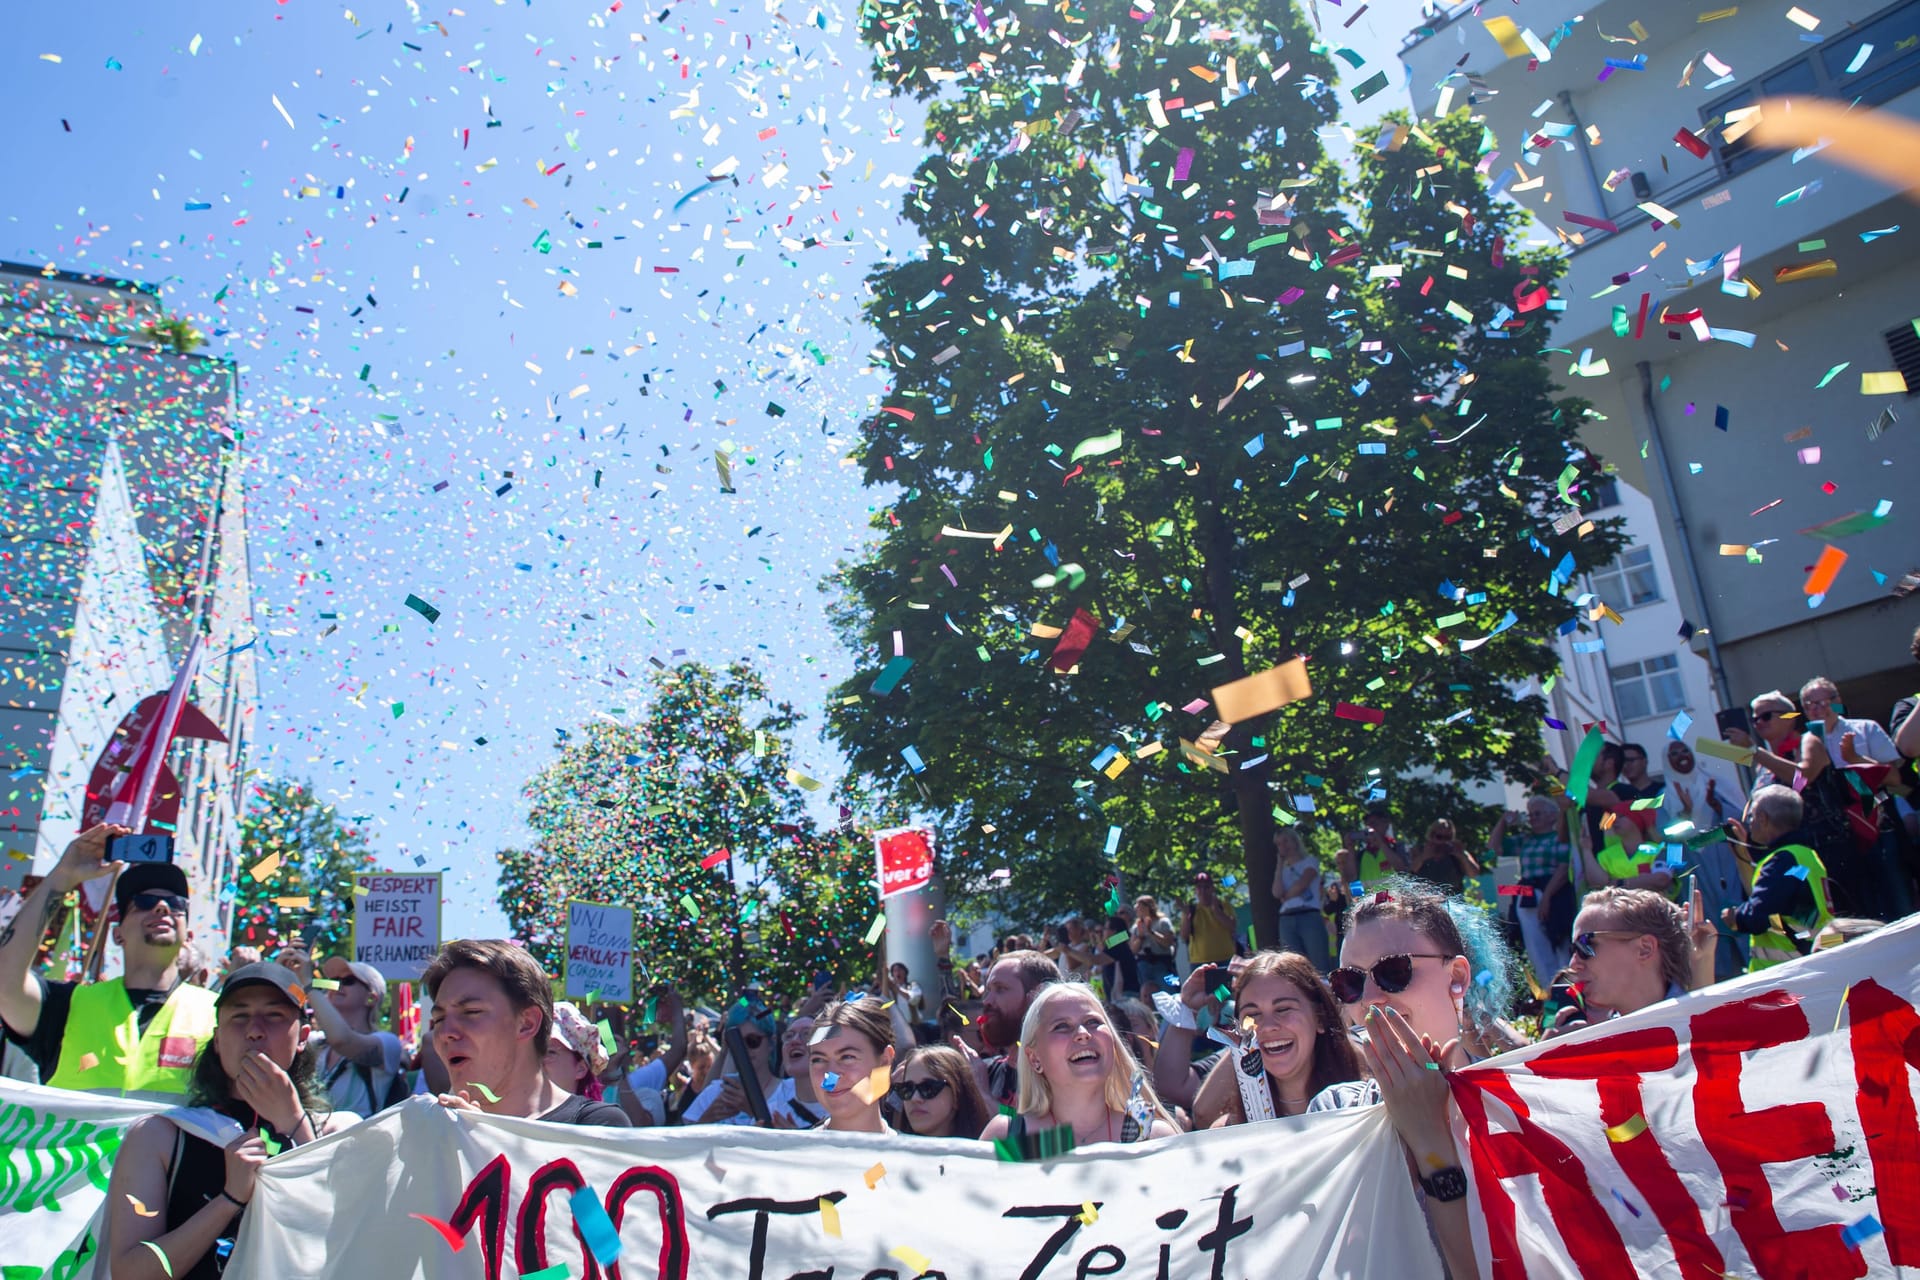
x=1621, y=571
x=1643, y=679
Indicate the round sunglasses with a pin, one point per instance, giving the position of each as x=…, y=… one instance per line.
x=1391, y=974
x=927, y=1089
x=1583, y=942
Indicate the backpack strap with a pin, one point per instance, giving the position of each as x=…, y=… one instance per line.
x=173, y=1164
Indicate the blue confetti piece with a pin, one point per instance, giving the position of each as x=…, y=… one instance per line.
x=830, y=1081
x=890, y=675
x=1113, y=840
x=914, y=762
x=596, y=1228
x=1678, y=729
x=1624, y=1201
x=1860, y=1232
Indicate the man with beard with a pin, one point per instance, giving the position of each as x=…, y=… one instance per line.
x=132, y=1036
x=1011, y=986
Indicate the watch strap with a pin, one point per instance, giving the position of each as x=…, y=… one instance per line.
x=1445, y=1184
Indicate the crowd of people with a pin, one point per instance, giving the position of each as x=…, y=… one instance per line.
x=1391, y=965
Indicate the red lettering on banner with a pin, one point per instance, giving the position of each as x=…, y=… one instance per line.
x=530, y=1240
x=488, y=1200
x=1588, y=1235
x=1885, y=1034
x=485, y=1200
x=1743, y=1142
x=1616, y=1065
x=665, y=1188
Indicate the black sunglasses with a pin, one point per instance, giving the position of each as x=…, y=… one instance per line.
x=1390, y=973
x=1765, y=715
x=925, y=1088
x=152, y=898
x=1583, y=942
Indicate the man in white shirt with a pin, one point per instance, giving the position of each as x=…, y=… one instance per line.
x=1820, y=699
x=359, y=1065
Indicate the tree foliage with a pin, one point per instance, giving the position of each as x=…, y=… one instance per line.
x=318, y=853
x=1160, y=361
x=628, y=812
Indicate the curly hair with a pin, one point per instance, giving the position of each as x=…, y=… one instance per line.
x=1456, y=927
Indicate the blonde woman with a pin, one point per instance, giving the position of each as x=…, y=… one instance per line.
x=1297, y=888
x=1079, y=1083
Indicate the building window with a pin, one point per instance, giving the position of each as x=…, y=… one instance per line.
x=1599, y=494
x=1628, y=582
x=1650, y=688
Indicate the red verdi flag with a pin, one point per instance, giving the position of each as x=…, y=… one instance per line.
x=906, y=859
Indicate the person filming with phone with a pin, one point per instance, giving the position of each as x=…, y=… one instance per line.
x=77, y=1033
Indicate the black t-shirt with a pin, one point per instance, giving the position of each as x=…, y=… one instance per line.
x=56, y=1003
x=583, y=1110
x=1128, y=964
x=1003, y=1080
x=1629, y=793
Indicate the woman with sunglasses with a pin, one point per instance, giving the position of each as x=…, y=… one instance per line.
x=935, y=1095
x=1426, y=980
x=1282, y=1007
x=850, y=1061
x=1631, y=950
x=1079, y=1083
x=1801, y=758
x=724, y=1101
x=175, y=1195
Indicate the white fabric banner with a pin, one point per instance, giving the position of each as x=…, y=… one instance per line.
x=1744, y=1131
x=1326, y=1197
x=56, y=1156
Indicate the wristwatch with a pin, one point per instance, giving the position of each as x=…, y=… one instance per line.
x=1445, y=1184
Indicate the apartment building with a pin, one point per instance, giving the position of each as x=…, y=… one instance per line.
x=1721, y=306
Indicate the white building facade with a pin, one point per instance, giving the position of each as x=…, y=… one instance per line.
x=120, y=498
x=1719, y=311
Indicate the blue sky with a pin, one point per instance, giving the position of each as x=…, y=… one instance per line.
x=448, y=244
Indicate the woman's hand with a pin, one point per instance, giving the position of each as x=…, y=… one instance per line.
x=262, y=1085
x=245, y=1155
x=1738, y=737
x=729, y=1102
x=461, y=1101
x=1411, y=1084
x=1197, y=991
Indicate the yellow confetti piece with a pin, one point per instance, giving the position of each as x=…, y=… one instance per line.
x=54, y=57
x=1801, y=18
x=1715, y=15
x=1883, y=384
x=325, y=984
x=1507, y=35
x=830, y=1218
x=264, y=868
x=875, y=1086
x=878, y=927
x=874, y=1175
x=140, y=1208
x=1627, y=1130
x=300, y=903
x=1088, y=1214
x=915, y=1259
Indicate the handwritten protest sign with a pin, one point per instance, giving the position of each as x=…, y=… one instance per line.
x=905, y=857
x=599, y=951
x=396, y=921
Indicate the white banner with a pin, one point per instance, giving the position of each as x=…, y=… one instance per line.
x=1744, y=1131
x=56, y=1156
x=1326, y=1197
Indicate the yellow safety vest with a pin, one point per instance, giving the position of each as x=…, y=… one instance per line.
x=104, y=1050
x=1775, y=947
x=1211, y=942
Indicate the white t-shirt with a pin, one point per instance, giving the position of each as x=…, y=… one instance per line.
x=649, y=1084
x=779, y=1103
x=1306, y=896
x=1869, y=739
x=346, y=1084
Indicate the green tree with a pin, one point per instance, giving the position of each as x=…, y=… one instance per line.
x=313, y=853
x=1160, y=366
x=628, y=813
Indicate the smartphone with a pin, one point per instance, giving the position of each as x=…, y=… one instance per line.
x=743, y=1071
x=140, y=848
x=1733, y=718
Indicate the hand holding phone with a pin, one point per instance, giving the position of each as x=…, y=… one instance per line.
x=140, y=848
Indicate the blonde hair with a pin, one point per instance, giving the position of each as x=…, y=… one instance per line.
x=1124, y=1073
x=1640, y=911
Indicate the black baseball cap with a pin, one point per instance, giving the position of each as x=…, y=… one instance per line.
x=269, y=972
x=142, y=876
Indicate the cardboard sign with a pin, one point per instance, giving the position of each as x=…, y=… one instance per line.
x=905, y=855
x=599, y=961
x=396, y=921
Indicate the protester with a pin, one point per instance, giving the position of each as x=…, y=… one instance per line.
x=1600, y=798
x=1633, y=782
x=1153, y=943
x=1441, y=860
x=1177, y=1074
x=174, y=1197
x=1123, y=967
x=897, y=984
x=1625, y=857
x=850, y=1061
x=1545, y=912
x=492, y=1020
x=1136, y=1024
x=724, y=1100
x=1282, y=1006
x=1790, y=886
x=644, y=1099
x=1297, y=890
x=1632, y=948
x=575, y=1056
x=360, y=1067
x=935, y=1096
x=1703, y=798
x=1720, y=875
x=1010, y=988
x=1820, y=700
x=1077, y=1077
x=1801, y=761
x=1418, y=968
x=794, y=1094
x=135, y=1035
x=1373, y=854
x=1072, y=952
x=1206, y=926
